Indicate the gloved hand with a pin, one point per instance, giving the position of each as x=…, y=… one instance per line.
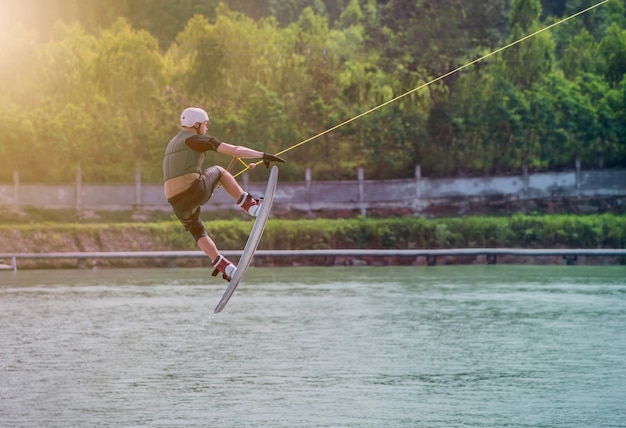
x=267, y=158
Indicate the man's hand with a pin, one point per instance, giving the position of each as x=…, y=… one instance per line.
x=267, y=158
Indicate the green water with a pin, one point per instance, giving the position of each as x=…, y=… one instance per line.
x=458, y=346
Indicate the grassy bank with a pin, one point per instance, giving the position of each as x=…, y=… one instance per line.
x=523, y=231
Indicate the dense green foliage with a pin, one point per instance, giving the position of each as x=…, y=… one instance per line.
x=521, y=231
x=604, y=231
x=100, y=85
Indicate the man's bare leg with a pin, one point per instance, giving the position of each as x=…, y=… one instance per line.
x=230, y=184
x=207, y=245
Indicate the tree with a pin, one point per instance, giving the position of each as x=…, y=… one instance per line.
x=198, y=59
x=610, y=146
x=165, y=19
x=19, y=52
x=566, y=113
x=17, y=144
x=129, y=74
x=437, y=36
x=274, y=73
x=582, y=55
x=613, y=51
x=599, y=19
x=526, y=62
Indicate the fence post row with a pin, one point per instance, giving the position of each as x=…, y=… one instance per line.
x=427, y=191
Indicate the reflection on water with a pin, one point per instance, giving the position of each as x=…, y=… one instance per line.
x=479, y=346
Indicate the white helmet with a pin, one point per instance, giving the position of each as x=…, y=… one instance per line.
x=191, y=115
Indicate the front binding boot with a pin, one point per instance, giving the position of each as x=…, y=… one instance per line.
x=249, y=204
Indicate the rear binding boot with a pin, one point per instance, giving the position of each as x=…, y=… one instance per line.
x=223, y=265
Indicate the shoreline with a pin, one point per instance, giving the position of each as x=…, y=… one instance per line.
x=520, y=239
x=328, y=258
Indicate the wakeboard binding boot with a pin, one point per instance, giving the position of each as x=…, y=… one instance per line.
x=223, y=265
x=249, y=204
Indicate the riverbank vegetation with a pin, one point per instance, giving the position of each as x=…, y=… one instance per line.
x=521, y=231
x=99, y=85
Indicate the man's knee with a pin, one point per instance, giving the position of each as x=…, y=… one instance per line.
x=215, y=171
x=198, y=230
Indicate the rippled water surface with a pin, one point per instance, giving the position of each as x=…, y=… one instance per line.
x=471, y=346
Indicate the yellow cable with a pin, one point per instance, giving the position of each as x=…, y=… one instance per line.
x=443, y=76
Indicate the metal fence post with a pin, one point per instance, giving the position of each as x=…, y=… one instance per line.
x=417, y=205
x=525, y=180
x=138, y=201
x=578, y=177
x=361, y=178
x=79, y=188
x=307, y=180
x=16, y=188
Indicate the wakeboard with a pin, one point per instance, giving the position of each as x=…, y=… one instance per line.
x=253, y=240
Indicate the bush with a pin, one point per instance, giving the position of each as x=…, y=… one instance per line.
x=522, y=231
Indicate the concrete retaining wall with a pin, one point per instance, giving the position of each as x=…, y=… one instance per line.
x=411, y=195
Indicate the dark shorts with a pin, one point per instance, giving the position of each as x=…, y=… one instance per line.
x=187, y=205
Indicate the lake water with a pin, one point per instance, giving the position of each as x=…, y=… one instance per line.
x=448, y=346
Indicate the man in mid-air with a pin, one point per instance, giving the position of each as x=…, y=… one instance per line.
x=188, y=186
